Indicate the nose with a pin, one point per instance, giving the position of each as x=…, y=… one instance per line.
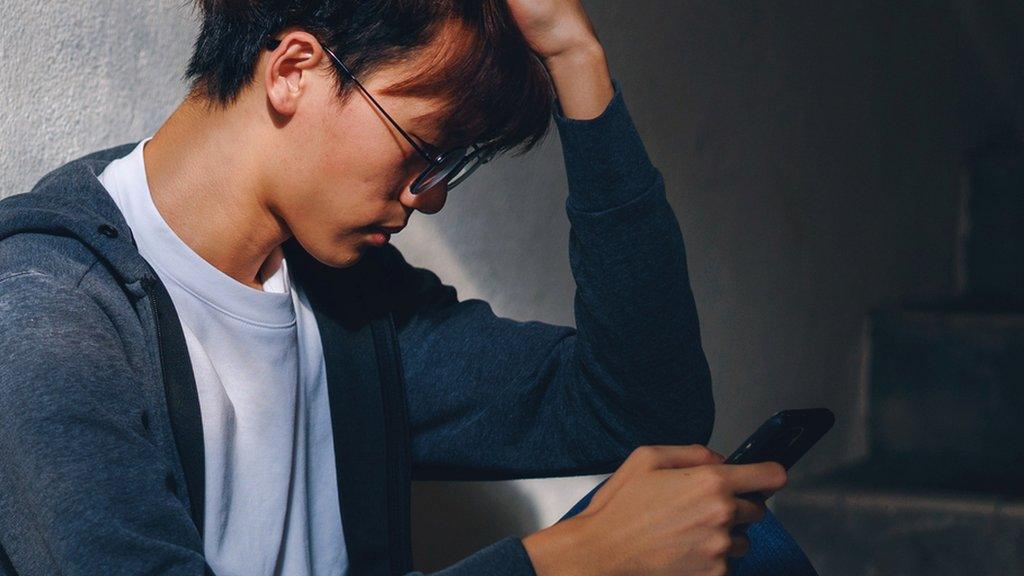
x=429, y=201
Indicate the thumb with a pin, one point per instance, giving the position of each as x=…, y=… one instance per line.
x=653, y=457
x=682, y=456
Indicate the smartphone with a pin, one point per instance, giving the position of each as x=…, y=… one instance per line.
x=783, y=438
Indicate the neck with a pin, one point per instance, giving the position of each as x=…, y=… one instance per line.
x=204, y=167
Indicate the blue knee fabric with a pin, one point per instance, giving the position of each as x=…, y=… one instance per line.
x=773, y=552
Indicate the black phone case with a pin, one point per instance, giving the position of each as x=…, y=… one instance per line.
x=785, y=437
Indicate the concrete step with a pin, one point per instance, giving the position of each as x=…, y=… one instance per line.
x=992, y=228
x=908, y=517
x=948, y=383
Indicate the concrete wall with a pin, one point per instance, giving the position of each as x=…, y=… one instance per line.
x=79, y=76
x=811, y=153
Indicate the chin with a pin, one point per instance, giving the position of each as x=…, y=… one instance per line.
x=344, y=259
x=338, y=255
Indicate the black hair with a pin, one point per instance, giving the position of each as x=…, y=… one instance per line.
x=497, y=91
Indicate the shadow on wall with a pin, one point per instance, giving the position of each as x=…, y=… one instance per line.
x=451, y=520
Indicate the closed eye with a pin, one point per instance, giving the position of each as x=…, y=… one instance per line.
x=415, y=162
x=430, y=149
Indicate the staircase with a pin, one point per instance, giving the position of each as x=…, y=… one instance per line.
x=942, y=491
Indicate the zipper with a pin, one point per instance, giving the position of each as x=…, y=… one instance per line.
x=400, y=389
x=397, y=441
x=148, y=285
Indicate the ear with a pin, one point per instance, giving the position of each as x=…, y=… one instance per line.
x=288, y=70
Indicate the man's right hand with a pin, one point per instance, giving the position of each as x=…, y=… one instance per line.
x=668, y=510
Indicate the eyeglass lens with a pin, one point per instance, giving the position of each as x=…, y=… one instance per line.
x=456, y=166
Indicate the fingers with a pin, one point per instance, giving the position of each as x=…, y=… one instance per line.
x=748, y=512
x=739, y=546
x=755, y=497
x=744, y=478
x=653, y=457
x=660, y=457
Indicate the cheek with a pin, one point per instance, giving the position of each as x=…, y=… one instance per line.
x=347, y=198
x=354, y=174
x=365, y=166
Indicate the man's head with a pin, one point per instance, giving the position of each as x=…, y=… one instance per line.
x=450, y=73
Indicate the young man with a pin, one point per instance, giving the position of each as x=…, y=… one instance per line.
x=211, y=360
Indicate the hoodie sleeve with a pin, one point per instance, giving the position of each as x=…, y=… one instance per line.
x=506, y=557
x=83, y=489
x=494, y=398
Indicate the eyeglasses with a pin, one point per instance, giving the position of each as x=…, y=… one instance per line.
x=450, y=168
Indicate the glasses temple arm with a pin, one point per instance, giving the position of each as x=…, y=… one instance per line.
x=352, y=76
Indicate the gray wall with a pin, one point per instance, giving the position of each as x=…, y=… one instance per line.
x=79, y=76
x=811, y=153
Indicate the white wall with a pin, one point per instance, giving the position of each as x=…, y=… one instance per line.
x=79, y=76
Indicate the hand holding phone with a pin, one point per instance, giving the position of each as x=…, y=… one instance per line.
x=646, y=505
x=783, y=438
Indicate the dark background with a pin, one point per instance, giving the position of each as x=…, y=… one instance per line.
x=814, y=154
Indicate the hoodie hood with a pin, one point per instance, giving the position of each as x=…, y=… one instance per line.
x=71, y=201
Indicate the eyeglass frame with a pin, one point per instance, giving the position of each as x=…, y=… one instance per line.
x=434, y=158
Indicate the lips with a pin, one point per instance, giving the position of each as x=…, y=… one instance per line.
x=389, y=229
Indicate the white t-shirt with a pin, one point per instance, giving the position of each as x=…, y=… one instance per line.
x=271, y=499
